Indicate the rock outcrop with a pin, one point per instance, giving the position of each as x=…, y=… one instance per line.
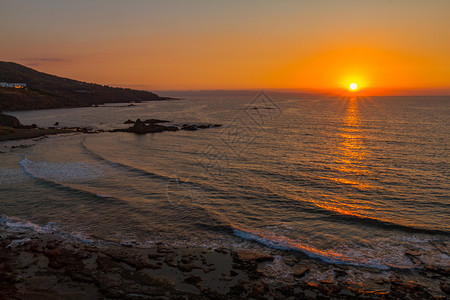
x=9, y=121
x=153, y=126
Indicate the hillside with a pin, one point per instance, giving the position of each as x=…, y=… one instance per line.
x=49, y=91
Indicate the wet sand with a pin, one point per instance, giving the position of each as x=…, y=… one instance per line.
x=51, y=265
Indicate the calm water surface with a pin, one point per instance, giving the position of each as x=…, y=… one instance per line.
x=352, y=181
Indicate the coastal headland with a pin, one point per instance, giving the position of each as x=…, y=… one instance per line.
x=44, y=91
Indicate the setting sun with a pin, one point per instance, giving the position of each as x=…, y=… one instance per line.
x=353, y=86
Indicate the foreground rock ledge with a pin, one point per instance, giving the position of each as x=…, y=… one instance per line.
x=47, y=266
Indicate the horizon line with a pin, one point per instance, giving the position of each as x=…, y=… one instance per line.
x=335, y=92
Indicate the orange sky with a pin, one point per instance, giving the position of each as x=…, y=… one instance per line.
x=383, y=45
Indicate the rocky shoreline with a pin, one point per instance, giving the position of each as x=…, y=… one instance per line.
x=14, y=130
x=47, y=264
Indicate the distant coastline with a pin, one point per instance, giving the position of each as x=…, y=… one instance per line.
x=45, y=91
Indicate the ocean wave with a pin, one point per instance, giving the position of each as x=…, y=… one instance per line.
x=123, y=166
x=380, y=253
x=61, y=172
x=383, y=255
x=348, y=211
x=176, y=182
x=18, y=225
x=388, y=224
x=55, y=180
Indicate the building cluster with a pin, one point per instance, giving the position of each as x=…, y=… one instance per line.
x=13, y=85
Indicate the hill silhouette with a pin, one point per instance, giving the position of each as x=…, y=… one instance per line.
x=49, y=91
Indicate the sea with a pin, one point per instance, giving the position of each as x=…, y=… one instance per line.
x=344, y=180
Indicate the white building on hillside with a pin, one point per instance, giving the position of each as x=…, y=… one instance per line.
x=13, y=85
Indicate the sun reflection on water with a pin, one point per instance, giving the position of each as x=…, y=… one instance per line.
x=348, y=168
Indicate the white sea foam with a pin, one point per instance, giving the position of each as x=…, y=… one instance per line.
x=13, y=224
x=384, y=254
x=61, y=172
x=103, y=196
x=16, y=224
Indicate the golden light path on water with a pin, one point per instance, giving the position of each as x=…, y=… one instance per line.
x=349, y=167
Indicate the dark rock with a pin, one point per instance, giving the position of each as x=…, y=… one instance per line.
x=80, y=275
x=152, y=266
x=257, y=289
x=155, y=255
x=9, y=121
x=445, y=286
x=204, y=126
x=340, y=272
x=56, y=124
x=405, y=285
x=219, y=250
x=300, y=270
x=154, y=121
x=187, y=267
x=153, y=126
x=189, y=127
x=209, y=268
x=170, y=261
x=33, y=126
x=440, y=270
x=186, y=259
x=413, y=253
x=193, y=279
x=252, y=255
x=21, y=146
x=164, y=249
x=140, y=127
x=91, y=249
x=57, y=265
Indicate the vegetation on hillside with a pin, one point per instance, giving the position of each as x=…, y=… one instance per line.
x=49, y=91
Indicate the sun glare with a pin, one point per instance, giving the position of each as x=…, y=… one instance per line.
x=353, y=86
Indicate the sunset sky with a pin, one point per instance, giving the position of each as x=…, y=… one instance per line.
x=385, y=46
